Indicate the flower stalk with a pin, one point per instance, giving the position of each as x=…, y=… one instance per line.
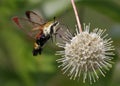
x=76, y=15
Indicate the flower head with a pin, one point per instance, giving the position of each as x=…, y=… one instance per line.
x=87, y=54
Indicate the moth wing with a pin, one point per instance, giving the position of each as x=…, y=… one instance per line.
x=34, y=17
x=27, y=26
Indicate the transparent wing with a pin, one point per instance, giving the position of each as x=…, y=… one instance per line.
x=30, y=28
x=62, y=33
x=32, y=16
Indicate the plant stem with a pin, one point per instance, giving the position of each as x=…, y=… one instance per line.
x=76, y=15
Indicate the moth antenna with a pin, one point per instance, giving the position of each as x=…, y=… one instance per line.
x=54, y=18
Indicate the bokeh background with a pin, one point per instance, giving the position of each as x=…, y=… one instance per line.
x=17, y=65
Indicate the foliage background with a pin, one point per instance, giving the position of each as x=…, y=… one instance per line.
x=17, y=65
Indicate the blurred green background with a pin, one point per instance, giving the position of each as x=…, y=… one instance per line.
x=17, y=65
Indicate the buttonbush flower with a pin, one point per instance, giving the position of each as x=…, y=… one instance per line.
x=87, y=54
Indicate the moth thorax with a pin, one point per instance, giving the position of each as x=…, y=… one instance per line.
x=50, y=29
x=46, y=30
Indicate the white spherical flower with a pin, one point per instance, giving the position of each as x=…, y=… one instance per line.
x=87, y=54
